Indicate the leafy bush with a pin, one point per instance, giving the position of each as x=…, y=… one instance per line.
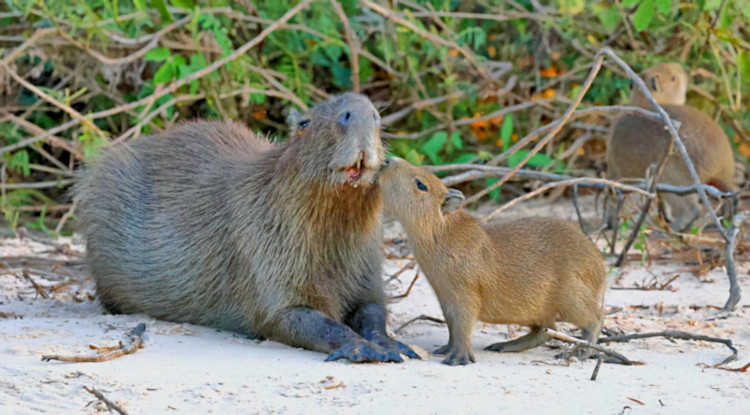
x=114, y=70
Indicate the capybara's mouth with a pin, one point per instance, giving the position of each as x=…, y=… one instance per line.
x=355, y=172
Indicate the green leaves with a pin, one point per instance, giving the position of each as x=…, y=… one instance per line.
x=184, y=4
x=571, y=7
x=643, y=15
x=20, y=161
x=434, y=145
x=506, y=131
x=537, y=160
x=647, y=10
x=157, y=55
x=439, y=142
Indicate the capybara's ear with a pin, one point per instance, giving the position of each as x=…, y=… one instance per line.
x=292, y=120
x=452, y=201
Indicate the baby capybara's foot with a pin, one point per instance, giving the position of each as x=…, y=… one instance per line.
x=459, y=357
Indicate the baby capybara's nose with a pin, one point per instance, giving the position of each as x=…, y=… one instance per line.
x=345, y=118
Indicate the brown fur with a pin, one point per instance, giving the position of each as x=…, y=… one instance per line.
x=637, y=142
x=532, y=271
x=209, y=224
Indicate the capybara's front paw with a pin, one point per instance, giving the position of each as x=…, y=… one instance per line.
x=394, y=346
x=459, y=357
x=362, y=351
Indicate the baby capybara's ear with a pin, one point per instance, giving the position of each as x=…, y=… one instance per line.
x=452, y=201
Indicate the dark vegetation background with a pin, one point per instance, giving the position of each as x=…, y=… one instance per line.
x=76, y=76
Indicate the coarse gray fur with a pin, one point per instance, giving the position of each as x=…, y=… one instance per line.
x=209, y=224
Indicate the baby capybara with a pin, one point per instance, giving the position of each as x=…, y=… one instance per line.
x=531, y=271
x=208, y=223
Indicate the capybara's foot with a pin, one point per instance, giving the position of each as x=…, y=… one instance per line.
x=443, y=349
x=362, y=351
x=534, y=338
x=391, y=345
x=459, y=357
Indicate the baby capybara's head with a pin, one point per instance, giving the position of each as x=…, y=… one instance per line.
x=414, y=196
x=667, y=83
x=338, y=140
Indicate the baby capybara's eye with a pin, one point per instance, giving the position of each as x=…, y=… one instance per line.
x=302, y=124
x=420, y=185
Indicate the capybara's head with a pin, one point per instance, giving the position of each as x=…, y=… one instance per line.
x=667, y=83
x=339, y=140
x=414, y=196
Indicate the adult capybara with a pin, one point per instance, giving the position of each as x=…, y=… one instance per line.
x=532, y=271
x=637, y=142
x=208, y=223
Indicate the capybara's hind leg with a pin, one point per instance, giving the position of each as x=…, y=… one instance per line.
x=312, y=330
x=532, y=339
x=369, y=322
x=590, y=334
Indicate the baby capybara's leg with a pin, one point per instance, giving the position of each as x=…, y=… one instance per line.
x=369, y=322
x=313, y=330
x=532, y=339
x=461, y=321
x=590, y=334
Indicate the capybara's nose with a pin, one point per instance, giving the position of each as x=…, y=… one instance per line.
x=345, y=118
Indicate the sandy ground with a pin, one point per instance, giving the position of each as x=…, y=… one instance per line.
x=190, y=369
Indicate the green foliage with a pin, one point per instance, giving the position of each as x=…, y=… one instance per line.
x=20, y=161
x=309, y=58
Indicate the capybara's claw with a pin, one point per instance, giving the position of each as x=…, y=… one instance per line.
x=496, y=347
x=443, y=349
x=459, y=358
x=363, y=351
x=394, y=346
x=406, y=350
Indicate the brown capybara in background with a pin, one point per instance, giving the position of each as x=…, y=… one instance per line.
x=531, y=271
x=209, y=224
x=637, y=142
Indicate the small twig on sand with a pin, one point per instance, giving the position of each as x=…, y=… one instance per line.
x=107, y=353
x=564, y=337
x=409, y=265
x=25, y=261
x=674, y=334
x=408, y=290
x=719, y=366
x=599, y=361
x=422, y=317
x=111, y=405
x=37, y=287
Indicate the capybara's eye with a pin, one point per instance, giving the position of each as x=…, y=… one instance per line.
x=631, y=84
x=302, y=124
x=420, y=185
x=674, y=78
x=653, y=83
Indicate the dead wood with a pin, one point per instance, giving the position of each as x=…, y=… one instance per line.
x=107, y=353
x=564, y=337
x=111, y=405
x=422, y=317
x=675, y=334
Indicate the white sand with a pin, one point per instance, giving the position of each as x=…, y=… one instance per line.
x=190, y=369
